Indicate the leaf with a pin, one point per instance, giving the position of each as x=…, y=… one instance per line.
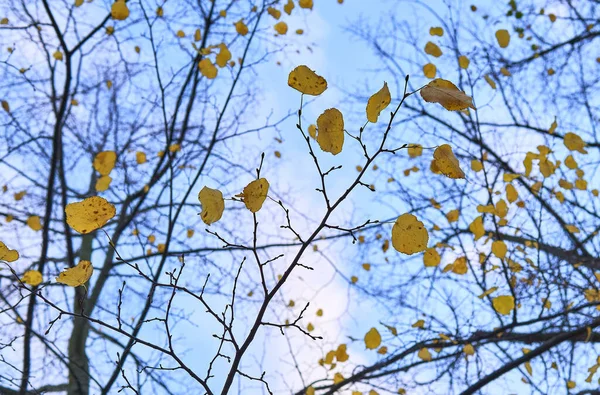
x=503, y=38
x=306, y=4
x=409, y=235
x=419, y=324
x=281, y=27
x=372, y=339
x=511, y=193
x=468, y=349
x=207, y=68
x=8, y=255
x=119, y=10
x=415, y=150
x=241, y=28
x=424, y=354
x=447, y=94
x=255, y=193
x=213, y=205
x=575, y=143
x=103, y=183
x=432, y=49
x=306, y=81
x=499, y=249
x=463, y=62
x=58, y=55
x=288, y=7
x=104, y=162
x=447, y=163
x=429, y=70
x=274, y=12
x=34, y=222
x=488, y=292
x=5, y=106
x=490, y=81
x=140, y=157
x=90, y=214
x=223, y=56
x=503, y=304
x=460, y=266
x=330, y=131
x=436, y=31
x=32, y=277
x=452, y=216
x=76, y=276
x=377, y=103
x=431, y=257
x=476, y=227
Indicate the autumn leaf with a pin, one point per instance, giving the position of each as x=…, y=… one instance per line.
x=503, y=304
x=447, y=94
x=104, y=162
x=32, y=277
x=503, y=38
x=330, y=131
x=409, y=235
x=377, y=103
x=6, y=254
x=90, y=214
x=447, y=163
x=76, y=276
x=213, y=205
x=372, y=339
x=255, y=193
x=241, y=28
x=306, y=81
x=119, y=10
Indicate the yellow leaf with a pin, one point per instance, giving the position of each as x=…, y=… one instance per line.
x=571, y=384
x=447, y=163
x=32, y=277
x=57, y=55
x=307, y=81
x=312, y=131
x=340, y=354
x=103, y=183
x=310, y=391
x=119, y=10
x=5, y=105
x=6, y=254
x=511, y=193
x=160, y=12
x=488, y=292
x=572, y=228
x=574, y=143
x=436, y=31
x=431, y=257
x=432, y=49
x=34, y=223
x=207, y=68
x=452, y=216
x=241, y=28
x=330, y=127
x=468, y=349
x=197, y=35
x=505, y=72
x=409, y=235
x=415, y=150
x=213, y=205
x=288, y=7
x=419, y=324
x=476, y=227
x=372, y=339
x=463, y=62
x=377, y=103
x=476, y=165
x=223, y=56
x=429, y=70
x=490, y=81
x=76, y=276
x=460, y=266
x=90, y=214
x=503, y=38
x=281, y=27
x=306, y=4
x=320, y=313
x=499, y=249
x=78, y=3
x=255, y=193
x=190, y=233
x=503, y=304
x=180, y=33
x=424, y=354
x=140, y=157
x=274, y=12
x=447, y=94
x=104, y=162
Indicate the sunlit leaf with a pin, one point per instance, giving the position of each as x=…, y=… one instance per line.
x=447, y=94
x=307, y=81
x=330, y=131
x=89, y=214
x=76, y=276
x=377, y=103
x=213, y=205
x=409, y=235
